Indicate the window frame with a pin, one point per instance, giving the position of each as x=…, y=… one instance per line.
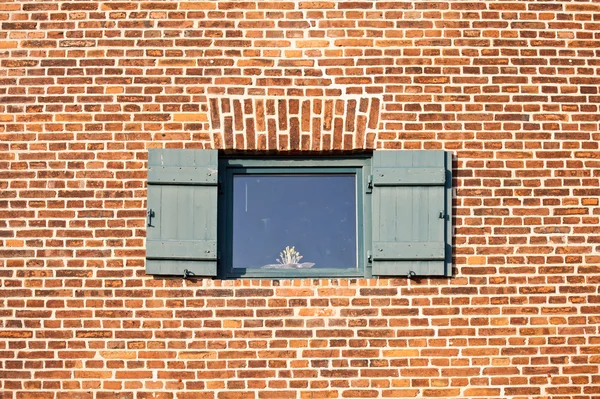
x=230, y=165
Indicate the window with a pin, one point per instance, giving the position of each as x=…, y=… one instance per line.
x=385, y=214
x=299, y=218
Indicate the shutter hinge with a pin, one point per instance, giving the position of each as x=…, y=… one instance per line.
x=369, y=184
x=442, y=215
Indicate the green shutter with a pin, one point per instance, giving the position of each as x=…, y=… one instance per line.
x=182, y=193
x=412, y=232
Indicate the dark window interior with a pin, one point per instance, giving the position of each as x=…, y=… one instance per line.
x=279, y=217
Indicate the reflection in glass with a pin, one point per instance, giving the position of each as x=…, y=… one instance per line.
x=294, y=221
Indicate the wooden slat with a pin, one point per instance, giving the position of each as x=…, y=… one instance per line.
x=448, y=216
x=180, y=157
x=182, y=249
x=182, y=175
x=408, y=176
x=406, y=267
x=167, y=213
x=432, y=200
x=408, y=251
x=178, y=267
x=154, y=201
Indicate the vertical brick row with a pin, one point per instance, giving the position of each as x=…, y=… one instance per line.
x=307, y=124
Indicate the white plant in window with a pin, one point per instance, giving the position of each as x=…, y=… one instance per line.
x=289, y=258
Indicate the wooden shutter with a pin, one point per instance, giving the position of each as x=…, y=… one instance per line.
x=412, y=232
x=182, y=194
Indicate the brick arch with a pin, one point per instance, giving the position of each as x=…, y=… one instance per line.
x=294, y=123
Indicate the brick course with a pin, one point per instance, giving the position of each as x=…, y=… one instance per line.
x=510, y=87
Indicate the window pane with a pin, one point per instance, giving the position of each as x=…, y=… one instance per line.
x=294, y=221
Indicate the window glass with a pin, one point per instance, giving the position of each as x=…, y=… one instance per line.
x=294, y=221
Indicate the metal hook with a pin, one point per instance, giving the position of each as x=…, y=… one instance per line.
x=150, y=215
x=411, y=275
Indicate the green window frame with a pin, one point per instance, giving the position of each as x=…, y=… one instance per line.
x=404, y=211
x=228, y=167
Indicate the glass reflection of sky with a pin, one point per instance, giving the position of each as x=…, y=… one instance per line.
x=316, y=214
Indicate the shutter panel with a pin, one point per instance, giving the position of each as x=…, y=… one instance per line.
x=182, y=193
x=412, y=205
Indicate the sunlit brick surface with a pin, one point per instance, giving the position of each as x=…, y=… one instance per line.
x=510, y=87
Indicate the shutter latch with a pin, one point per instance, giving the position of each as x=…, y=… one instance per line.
x=369, y=256
x=187, y=274
x=370, y=184
x=442, y=215
x=411, y=275
x=150, y=215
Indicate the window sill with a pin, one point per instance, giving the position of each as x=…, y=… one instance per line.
x=293, y=274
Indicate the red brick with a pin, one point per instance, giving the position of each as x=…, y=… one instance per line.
x=510, y=88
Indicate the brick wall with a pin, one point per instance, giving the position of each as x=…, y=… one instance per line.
x=512, y=88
